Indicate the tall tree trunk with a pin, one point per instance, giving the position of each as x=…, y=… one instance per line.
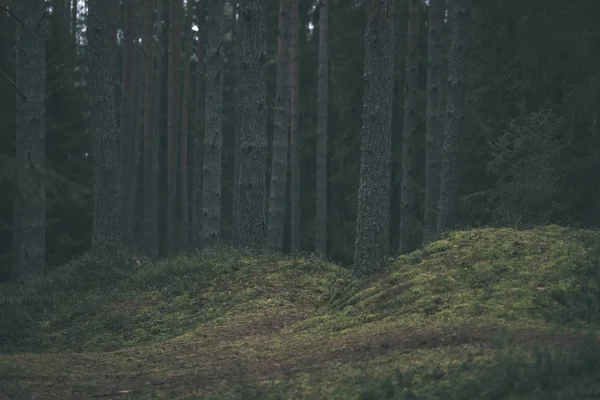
x=455, y=116
x=150, y=222
x=373, y=208
x=173, y=122
x=322, y=110
x=251, y=229
x=409, y=218
x=294, y=128
x=199, y=134
x=185, y=102
x=213, y=125
x=139, y=61
x=127, y=118
x=435, y=123
x=236, y=141
x=107, y=192
x=30, y=202
x=281, y=131
x=160, y=87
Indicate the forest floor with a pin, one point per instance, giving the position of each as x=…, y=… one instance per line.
x=480, y=314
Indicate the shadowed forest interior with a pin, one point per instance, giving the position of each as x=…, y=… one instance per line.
x=337, y=165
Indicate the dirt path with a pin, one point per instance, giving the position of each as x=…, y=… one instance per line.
x=184, y=368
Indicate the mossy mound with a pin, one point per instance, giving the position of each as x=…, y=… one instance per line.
x=502, y=277
x=459, y=319
x=94, y=304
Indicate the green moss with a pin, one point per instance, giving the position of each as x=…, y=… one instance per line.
x=223, y=321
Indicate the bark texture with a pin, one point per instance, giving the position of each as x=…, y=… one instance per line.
x=173, y=113
x=409, y=218
x=295, y=129
x=185, y=119
x=107, y=191
x=29, y=227
x=213, y=125
x=127, y=123
x=251, y=224
x=150, y=223
x=434, y=133
x=281, y=131
x=373, y=208
x=199, y=133
x=322, y=112
x=455, y=117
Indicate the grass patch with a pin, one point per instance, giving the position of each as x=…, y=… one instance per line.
x=486, y=313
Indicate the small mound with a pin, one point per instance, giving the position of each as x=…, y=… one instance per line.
x=122, y=300
x=491, y=276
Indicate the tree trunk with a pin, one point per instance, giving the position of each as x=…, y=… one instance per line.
x=173, y=123
x=30, y=202
x=150, y=222
x=322, y=109
x=213, y=125
x=185, y=101
x=409, y=218
x=279, y=163
x=199, y=134
x=294, y=128
x=455, y=116
x=251, y=229
x=107, y=192
x=127, y=134
x=373, y=208
x=435, y=123
x=236, y=142
x=139, y=61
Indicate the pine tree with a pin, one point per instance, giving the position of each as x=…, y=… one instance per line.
x=213, y=124
x=281, y=131
x=322, y=111
x=107, y=191
x=29, y=218
x=409, y=218
x=435, y=123
x=373, y=209
x=455, y=117
x=250, y=221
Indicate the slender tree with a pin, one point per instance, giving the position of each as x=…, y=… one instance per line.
x=150, y=222
x=173, y=114
x=455, y=116
x=127, y=122
x=29, y=227
x=213, y=124
x=139, y=61
x=373, y=209
x=107, y=191
x=281, y=131
x=199, y=133
x=185, y=107
x=322, y=110
x=434, y=133
x=295, y=128
x=251, y=224
x=237, y=49
x=409, y=218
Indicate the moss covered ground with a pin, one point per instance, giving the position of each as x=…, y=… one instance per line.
x=480, y=314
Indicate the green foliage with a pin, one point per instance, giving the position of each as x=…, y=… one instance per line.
x=547, y=373
x=526, y=168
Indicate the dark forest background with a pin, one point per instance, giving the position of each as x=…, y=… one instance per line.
x=527, y=156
